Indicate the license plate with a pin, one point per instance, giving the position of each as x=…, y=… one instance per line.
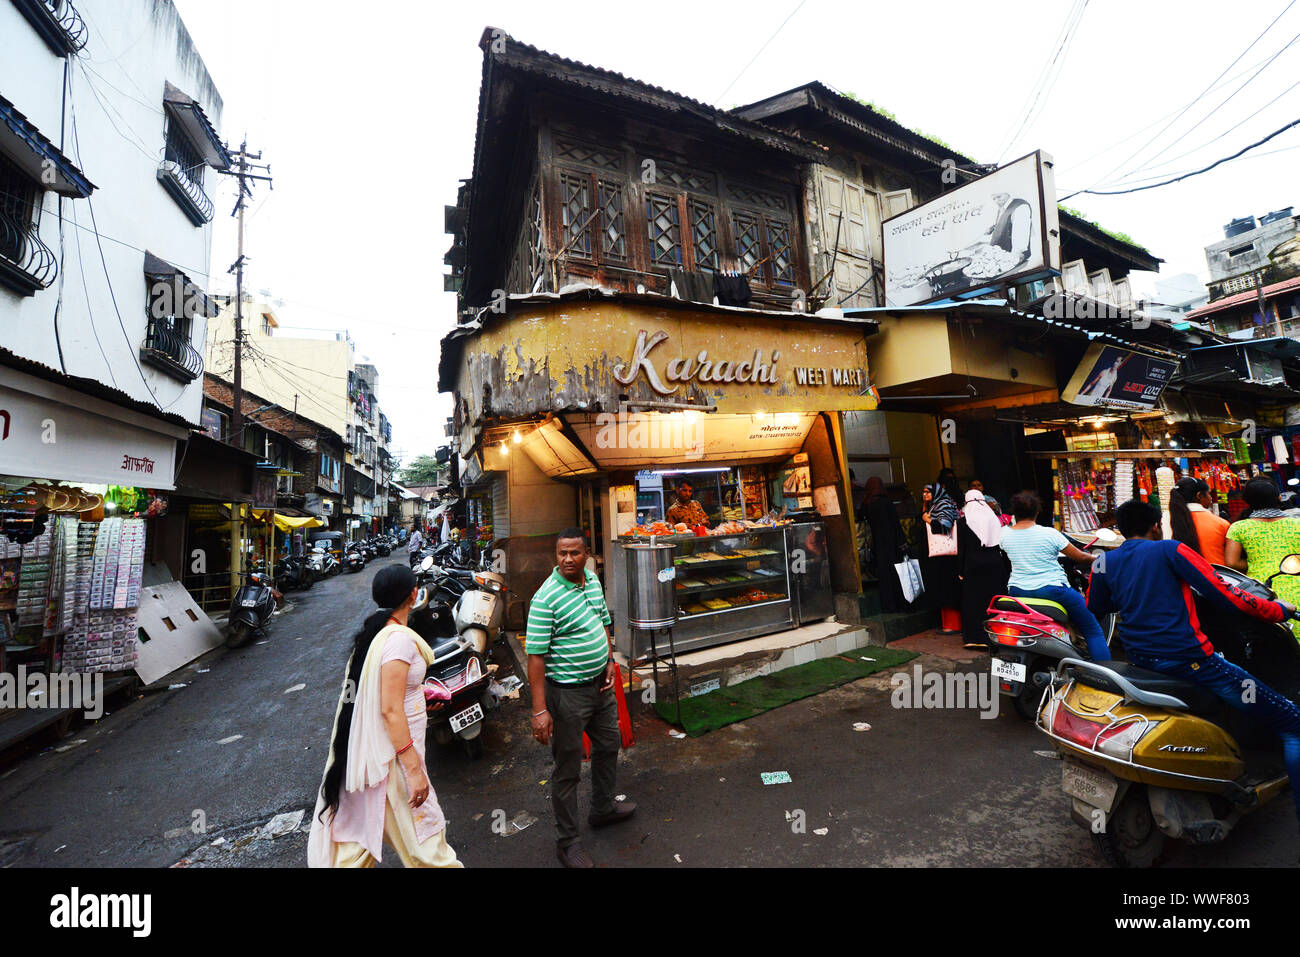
x=1010, y=670
x=249, y=603
x=462, y=720
x=1089, y=786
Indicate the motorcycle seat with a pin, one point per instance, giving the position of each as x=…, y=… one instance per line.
x=1043, y=606
x=1198, y=700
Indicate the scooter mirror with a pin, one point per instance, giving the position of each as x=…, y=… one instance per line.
x=427, y=563
x=421, y=599
x=1290, y=565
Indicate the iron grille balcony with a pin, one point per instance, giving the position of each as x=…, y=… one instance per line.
x=188, y=194
x=168, y=350
x=26, y=263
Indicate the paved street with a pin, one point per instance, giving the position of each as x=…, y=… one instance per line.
x=921, y=788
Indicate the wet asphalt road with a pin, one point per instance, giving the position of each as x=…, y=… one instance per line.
x=920, y=788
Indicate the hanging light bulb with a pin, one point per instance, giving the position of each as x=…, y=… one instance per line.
x=504, y=449
x=518, y=438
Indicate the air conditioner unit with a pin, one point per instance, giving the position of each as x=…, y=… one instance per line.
x=327, y=506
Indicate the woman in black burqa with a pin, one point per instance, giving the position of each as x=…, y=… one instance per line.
x=887, y=543
x=981, y=565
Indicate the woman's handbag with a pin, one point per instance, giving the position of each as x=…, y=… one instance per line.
x=909, y=577
x=940, y=545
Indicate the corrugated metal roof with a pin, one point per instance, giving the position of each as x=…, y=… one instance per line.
x=91, y=387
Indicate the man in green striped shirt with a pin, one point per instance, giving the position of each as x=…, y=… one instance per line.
x=571, y=673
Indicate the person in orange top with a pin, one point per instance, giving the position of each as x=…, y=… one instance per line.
x=1192, y=522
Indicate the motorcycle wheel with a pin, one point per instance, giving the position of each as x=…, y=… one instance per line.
x=238, y=635
x=1131, y=837
x=1026, y=703
x=474, y=746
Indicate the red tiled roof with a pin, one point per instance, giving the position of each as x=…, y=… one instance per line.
x=1242, y=298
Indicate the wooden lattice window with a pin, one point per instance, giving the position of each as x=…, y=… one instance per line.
x=613, y=231
x=575, y=215
x=704, y=233
x=535, y=252
x=749, y=250
x=665, y=230
x=780, y=254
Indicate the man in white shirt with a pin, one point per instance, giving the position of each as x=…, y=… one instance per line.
x=414, y=545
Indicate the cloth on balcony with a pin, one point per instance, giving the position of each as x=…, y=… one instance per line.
x=695, y=286
x=732, y=290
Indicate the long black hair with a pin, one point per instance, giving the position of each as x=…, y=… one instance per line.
x=392, y=586
x=1181, y=524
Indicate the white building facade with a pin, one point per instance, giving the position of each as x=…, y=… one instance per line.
x=109, y=153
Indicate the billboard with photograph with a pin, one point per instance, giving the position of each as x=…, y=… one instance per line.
x=1001, y=228
x=1118, y=378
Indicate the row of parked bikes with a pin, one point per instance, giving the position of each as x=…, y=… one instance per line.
x=459, y=611
x=260, y=594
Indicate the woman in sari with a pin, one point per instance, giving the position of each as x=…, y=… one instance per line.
x=376, y=789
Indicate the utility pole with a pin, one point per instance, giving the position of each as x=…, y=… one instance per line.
x=244, y=172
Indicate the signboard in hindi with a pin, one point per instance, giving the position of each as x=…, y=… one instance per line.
x=1118, y=378
x=1001, y=228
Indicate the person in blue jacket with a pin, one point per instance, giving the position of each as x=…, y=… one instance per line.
x=1150, y=582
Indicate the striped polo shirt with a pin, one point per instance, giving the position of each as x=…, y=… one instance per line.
x=566, y=623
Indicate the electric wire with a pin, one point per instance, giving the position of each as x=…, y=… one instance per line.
x=1198, y=98
x=1048, y=77
x=760, y=50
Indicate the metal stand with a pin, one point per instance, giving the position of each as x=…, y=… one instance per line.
x=672, y=664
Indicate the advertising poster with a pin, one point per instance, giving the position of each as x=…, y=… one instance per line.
x=1118, y=378
x=998, y=229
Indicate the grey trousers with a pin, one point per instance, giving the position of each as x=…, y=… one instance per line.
x=574, y=710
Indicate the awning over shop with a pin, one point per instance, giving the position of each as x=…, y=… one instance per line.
x=35, y=155
x=287, y=523
x=54, y=432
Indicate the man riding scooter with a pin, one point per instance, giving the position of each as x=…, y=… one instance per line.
x=1149, y=582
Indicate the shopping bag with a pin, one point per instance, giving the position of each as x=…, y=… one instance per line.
x=909, y=577
x=941, y=544
x=624, y=717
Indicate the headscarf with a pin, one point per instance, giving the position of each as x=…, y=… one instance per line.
x=942, y=507
x=875, y=488
x=981, y=520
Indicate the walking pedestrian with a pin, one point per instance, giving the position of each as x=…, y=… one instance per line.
x=571, y=672
x=414, y=545
x=376, y=787
x=982, y=566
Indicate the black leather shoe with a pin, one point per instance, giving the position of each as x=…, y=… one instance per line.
x=574, y=856
x=621, y=812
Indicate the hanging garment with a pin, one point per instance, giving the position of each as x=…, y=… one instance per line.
x=695, y=286
x=732, y=290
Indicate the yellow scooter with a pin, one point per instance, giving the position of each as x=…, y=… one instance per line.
x=1148, y=757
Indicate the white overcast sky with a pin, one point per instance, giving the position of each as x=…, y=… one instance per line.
x=366, y=112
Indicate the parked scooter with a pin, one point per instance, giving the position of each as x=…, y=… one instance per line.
x=251, y=609
x=460, y=636
x=1149, y=757
x=355, y=557
x=322, y=561
x=1028, y=637
x=294, y=572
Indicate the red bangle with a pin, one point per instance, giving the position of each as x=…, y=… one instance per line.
x=409, y=744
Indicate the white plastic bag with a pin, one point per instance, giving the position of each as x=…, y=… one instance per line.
x=909, y=577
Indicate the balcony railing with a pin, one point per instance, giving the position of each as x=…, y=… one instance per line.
x=26, y=263
x=168, y=350
x=188, y=194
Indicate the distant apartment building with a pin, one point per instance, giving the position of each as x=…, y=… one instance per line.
x=1255, y=278
x=322, y=379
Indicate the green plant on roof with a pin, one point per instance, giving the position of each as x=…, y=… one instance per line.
x=888, y=115
x=1113, y=234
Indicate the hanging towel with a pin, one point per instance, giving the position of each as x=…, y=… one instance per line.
x=695, y=286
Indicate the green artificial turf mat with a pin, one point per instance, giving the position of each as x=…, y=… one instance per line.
x=708, y=712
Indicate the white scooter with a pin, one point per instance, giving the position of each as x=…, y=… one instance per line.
x=460, y=636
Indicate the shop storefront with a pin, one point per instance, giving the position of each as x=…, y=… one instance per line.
x=641, y=394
